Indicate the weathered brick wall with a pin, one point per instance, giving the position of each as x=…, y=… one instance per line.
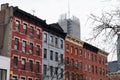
x=2, y=13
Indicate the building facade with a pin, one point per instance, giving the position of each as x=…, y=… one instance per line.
x=22, y=42
x=70, y=26
x=53, y=52
x=4, y=68
x=84, y=61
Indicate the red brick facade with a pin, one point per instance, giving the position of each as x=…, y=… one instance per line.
x=90, y=65
x=16, y=65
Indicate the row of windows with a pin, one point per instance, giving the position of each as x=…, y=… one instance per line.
x=73, y=76
x=53, y=56
x=24, y=63
x=25, y=26
x=53, y=41
x=94, y=69
x=22, y=78
x=86, y=55
x=73, y=63
x=53, y=71
x=24, y=47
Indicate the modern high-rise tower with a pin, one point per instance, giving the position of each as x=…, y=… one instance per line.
x=70, y=26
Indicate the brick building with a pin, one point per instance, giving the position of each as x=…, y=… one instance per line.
x=21, y=40
x=84, y=61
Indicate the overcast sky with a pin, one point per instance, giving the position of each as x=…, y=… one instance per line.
x=50, y=10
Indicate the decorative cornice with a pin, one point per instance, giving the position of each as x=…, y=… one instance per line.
x=74, y=40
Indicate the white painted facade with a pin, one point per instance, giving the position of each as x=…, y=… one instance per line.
x=51, y=46
x=5, y=65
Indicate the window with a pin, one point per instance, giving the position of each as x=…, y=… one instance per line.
x=14, y=78
x=81, y=65
x=56, y=56
x=67, y=47
x=29, y=78
x=96, y=69
x=88, y=56
x=72, y=63
x=51, y=70
x=16, y=44
x=23, y=63
x=56, y=42
x=38, y=50
x=3, y=74
x=31, y=48
x=45, y=37
x=25, y=28
x=93, y=58
x=22, y=78
x=88, y=68
x=56, y=70
x=61, y=58
x=45, y=53
x=51, y=39
x=45, y=69
x=67, y=60
x=72, y=76
x=38, y=34
x=92, y=68
x=15, y=62
x=85, y=67
x=76, y=51
x=72, y=49
x=85, y=55
x=51, y=55
x=30, y=65
x=76, y=63
x=61, y=45
x=80, y=51
x=37, y=67
x=24, y=46
x=61, y=73
x=31, y=31
x=17, y=25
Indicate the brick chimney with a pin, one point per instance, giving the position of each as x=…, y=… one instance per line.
x=4, y=6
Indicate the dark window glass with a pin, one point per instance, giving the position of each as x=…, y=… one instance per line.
x=30, y=65
x=14, y=78
x=24, y=46
x=17, y=25
x=38, y=34
x=15, y=62
x=61, y=58
x=45, y=37
x=16, y=44
x=56, y=56
x=31, y=48
x=51, y=70
x=45, y=69
x=25, y=28
x=45, y=53
x=23, y=63
x=38, y=50
x=37, y=67
x=51, y=55
x=31, y=31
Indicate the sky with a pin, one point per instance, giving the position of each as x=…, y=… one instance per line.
x=50, y=10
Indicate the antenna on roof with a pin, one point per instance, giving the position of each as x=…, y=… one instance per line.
x=68, y=9
x=33, y=11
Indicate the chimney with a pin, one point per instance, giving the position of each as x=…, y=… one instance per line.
x=4, y=6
